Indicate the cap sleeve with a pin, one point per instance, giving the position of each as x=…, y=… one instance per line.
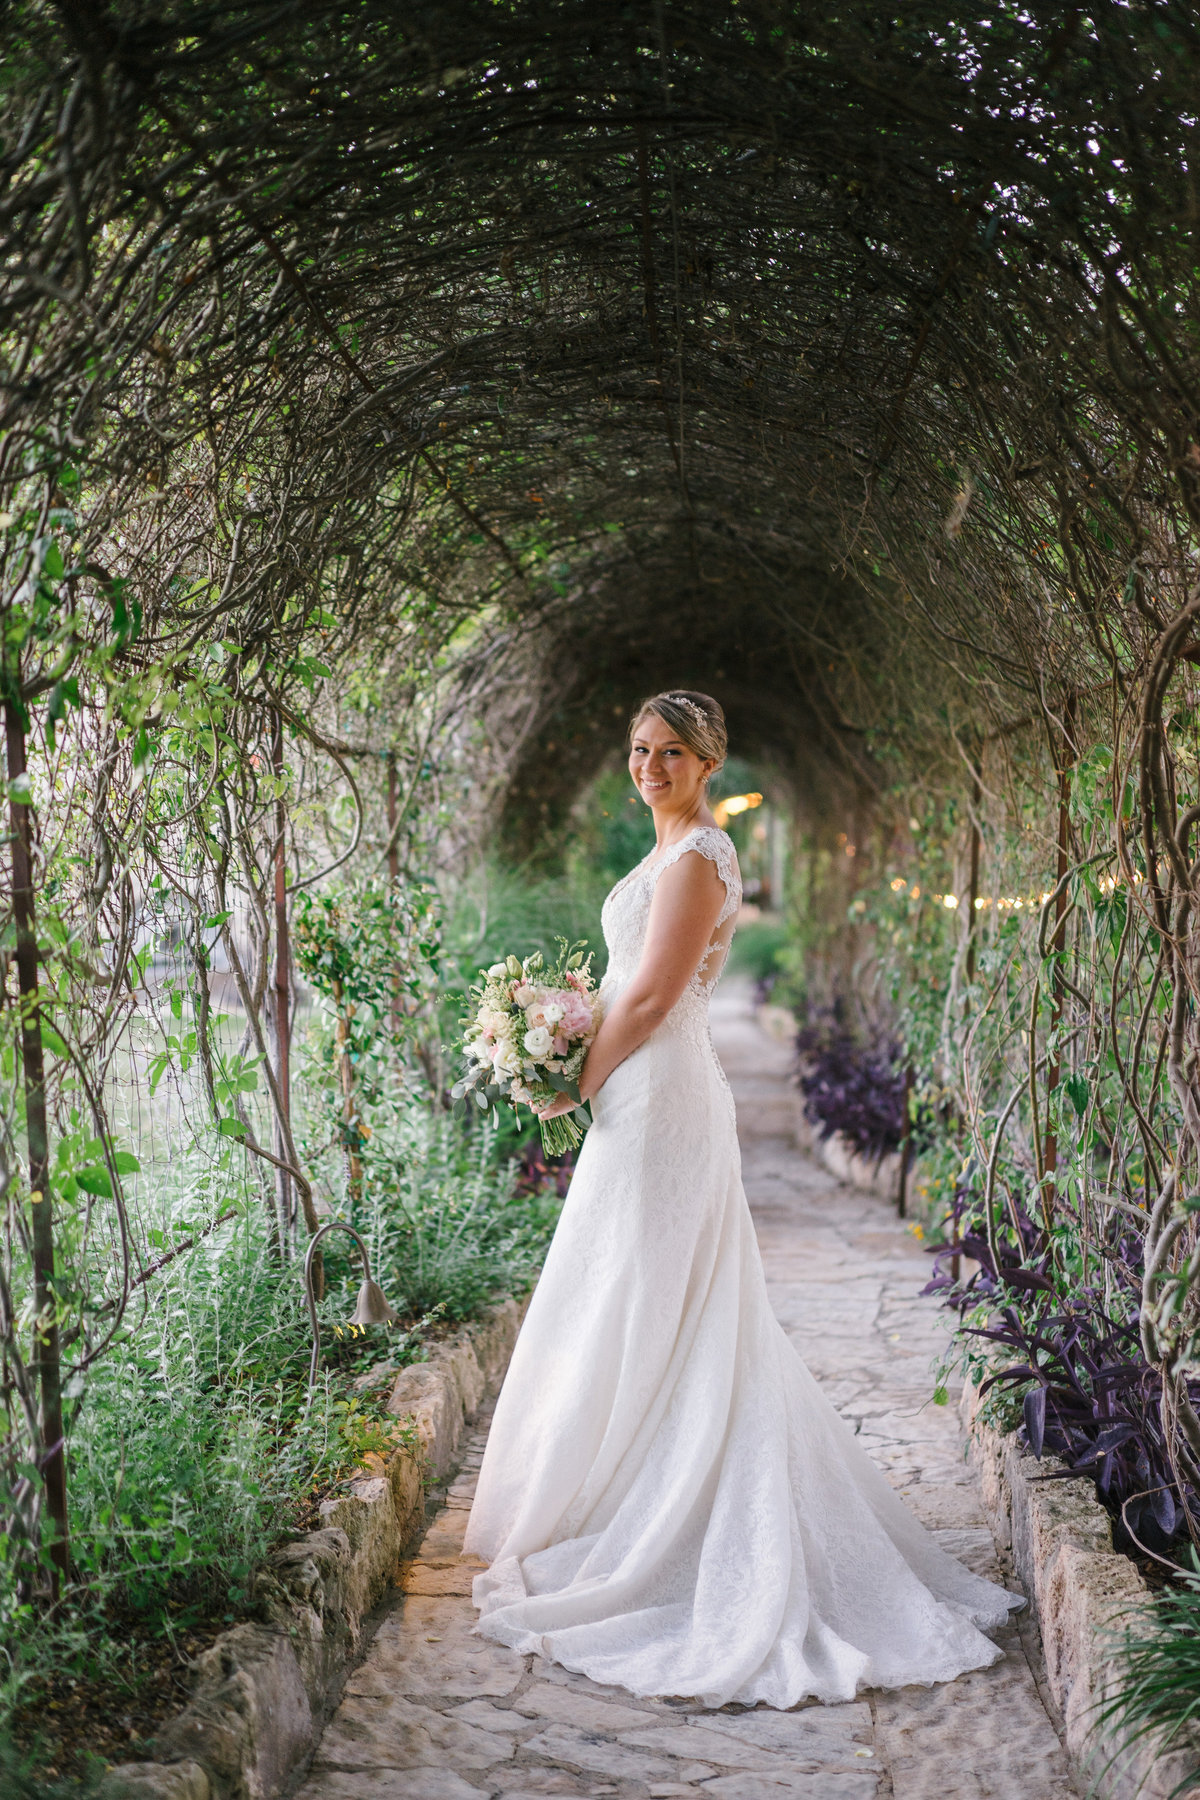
x=717, y=846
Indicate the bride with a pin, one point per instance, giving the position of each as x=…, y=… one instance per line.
x=668, y=1502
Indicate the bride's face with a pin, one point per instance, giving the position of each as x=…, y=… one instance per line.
x=667, y=775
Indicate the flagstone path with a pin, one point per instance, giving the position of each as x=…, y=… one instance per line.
x=435, y=1713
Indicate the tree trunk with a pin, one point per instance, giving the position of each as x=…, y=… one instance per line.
x=46, y=1354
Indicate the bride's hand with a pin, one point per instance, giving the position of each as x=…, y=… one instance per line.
x=550, y=1109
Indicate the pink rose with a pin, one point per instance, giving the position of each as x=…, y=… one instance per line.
x=577, y=1015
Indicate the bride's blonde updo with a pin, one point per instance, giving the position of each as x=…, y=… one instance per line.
x=696, y=719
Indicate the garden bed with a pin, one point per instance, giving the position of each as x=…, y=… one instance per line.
x=262, y=1691
x=881, y=1176
x=1085, y=1596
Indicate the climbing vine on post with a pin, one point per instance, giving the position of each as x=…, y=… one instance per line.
x=361, y=946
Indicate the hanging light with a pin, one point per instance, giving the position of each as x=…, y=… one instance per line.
x=371, y=1308
x=728, y=809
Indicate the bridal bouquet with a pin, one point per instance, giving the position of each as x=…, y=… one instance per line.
x=527, y=1037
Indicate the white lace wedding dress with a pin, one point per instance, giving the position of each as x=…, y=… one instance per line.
x=668, y=1501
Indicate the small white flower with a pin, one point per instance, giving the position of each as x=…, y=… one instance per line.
x=538, y=1043
x=552, y=1012
x=507, y=1060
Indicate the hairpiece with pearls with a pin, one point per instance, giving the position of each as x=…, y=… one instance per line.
x=701, y=717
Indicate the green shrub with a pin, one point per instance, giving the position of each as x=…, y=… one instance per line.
x=192, y=1448
x=439, y=1214
x=757, y=948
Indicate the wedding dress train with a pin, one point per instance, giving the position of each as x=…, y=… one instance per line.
x=668, y=1501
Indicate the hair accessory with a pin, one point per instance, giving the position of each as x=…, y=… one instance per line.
x=701, y=717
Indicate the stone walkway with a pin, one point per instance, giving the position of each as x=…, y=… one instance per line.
x=434, y=1713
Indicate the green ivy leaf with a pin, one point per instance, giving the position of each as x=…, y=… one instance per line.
x=1079, y=1092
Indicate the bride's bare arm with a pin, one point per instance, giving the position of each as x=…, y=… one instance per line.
x=687, y=901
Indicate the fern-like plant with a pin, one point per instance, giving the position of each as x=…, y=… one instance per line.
x=1157, y=1692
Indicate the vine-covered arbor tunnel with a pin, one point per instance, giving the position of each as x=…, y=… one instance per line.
x=840, y=363
x=393, y=392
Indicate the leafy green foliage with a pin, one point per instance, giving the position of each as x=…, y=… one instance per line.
x=367, y=944
x=23, y=1777
x=758, y=950
x=1156, y=1687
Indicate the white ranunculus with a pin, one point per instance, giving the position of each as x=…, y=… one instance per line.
x=538, y=1043
x=497, y=970
x=552, y=1012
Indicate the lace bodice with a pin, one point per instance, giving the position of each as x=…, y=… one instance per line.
x=627, y=910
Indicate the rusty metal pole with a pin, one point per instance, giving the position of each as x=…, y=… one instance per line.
x=285, y=1199
x=973, y=877
x=393, y=804
x=1058, y=986
x=393, y=801
x=905, y=1145
x=46, y=1359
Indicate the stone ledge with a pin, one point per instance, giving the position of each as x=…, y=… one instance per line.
x=882, y=1177
x=263, y=1690
x=1083, y=1593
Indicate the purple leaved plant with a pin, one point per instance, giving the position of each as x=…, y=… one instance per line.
x=1091, y=1397
x=851, y=1089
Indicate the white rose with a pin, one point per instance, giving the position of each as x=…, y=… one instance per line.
x=496, y=971
x=524, y=995
x=507, y=1060
x=538, y=1043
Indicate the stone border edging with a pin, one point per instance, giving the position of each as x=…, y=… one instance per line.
x=263, y=1691
x=1083, y=1592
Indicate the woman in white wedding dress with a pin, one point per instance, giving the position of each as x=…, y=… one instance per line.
x=668, y=1502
